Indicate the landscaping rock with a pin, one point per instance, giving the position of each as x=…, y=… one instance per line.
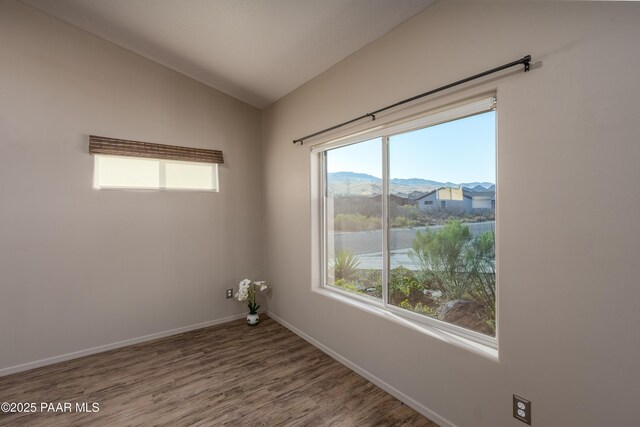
x=465, y=313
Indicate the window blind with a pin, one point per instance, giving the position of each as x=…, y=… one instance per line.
x=123, y=147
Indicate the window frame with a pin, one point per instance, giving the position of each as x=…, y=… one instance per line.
x=452, y=112
x=162, y=184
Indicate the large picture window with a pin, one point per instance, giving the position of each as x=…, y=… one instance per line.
x=408, y=218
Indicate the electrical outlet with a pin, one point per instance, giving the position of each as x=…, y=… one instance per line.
x=229, y=293
x=522, y=409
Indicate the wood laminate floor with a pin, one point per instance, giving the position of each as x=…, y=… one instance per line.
x=229, y=374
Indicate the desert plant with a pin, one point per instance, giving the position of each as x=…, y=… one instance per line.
x=409, y=211
x=372, y=280
x=348, y=286
x=403, y=284
x=362, y=205
x=345, y=265
x=356, y=222
x=459, y=266
x=419, y=308
x=441, y=257
x=481, y=259
x=401, y=222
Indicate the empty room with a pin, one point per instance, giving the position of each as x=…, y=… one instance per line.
x=319, y=213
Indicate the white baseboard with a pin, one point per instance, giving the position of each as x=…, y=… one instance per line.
x=443, y=422
x=106, y=347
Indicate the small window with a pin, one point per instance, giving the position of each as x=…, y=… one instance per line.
x=116, y=172
x=428, y=202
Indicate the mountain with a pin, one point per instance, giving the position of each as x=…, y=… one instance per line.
x=352, y=176
x=420, y=181
x=353, y=183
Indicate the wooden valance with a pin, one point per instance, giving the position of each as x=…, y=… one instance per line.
x=123, y=147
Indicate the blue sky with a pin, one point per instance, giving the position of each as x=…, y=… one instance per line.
x=458, y=151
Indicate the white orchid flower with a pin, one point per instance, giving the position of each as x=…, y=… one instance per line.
x=247, y=292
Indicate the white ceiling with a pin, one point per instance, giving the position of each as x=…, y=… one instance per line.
x=254, y=50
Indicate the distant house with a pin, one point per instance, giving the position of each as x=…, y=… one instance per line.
x=415, y=195
x=483, y=199
x=456, y=198
x=445, y=198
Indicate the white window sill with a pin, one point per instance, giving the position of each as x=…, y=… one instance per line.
x=429, y=330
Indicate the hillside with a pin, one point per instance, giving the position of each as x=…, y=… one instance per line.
x=352, y=183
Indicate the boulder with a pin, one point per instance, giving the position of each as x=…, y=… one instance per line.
x=465, y=313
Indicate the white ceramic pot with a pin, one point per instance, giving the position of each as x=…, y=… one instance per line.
x=253, y=319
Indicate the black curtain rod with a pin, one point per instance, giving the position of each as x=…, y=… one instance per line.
x=524, y=61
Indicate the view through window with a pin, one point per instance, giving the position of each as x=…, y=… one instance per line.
x=440, y=221
x=353, y=206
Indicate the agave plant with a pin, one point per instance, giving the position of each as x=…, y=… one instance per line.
x=345, y=265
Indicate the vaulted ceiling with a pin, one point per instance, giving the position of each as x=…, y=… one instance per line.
x=254, y=50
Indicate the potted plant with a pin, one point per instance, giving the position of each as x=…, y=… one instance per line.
x=247, y=291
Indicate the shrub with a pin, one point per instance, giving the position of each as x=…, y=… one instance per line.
x=361, y=205
x=419, y=308
x=341, y=283
x=400, y=222
x=403, y=284
x=440, y=256
x=356, y=222
x=452, y=262
x=481, y=260
x=372, y=280
x=409, y=211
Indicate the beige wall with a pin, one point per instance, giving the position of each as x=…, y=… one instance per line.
x=81, y=268
x=568, y=282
